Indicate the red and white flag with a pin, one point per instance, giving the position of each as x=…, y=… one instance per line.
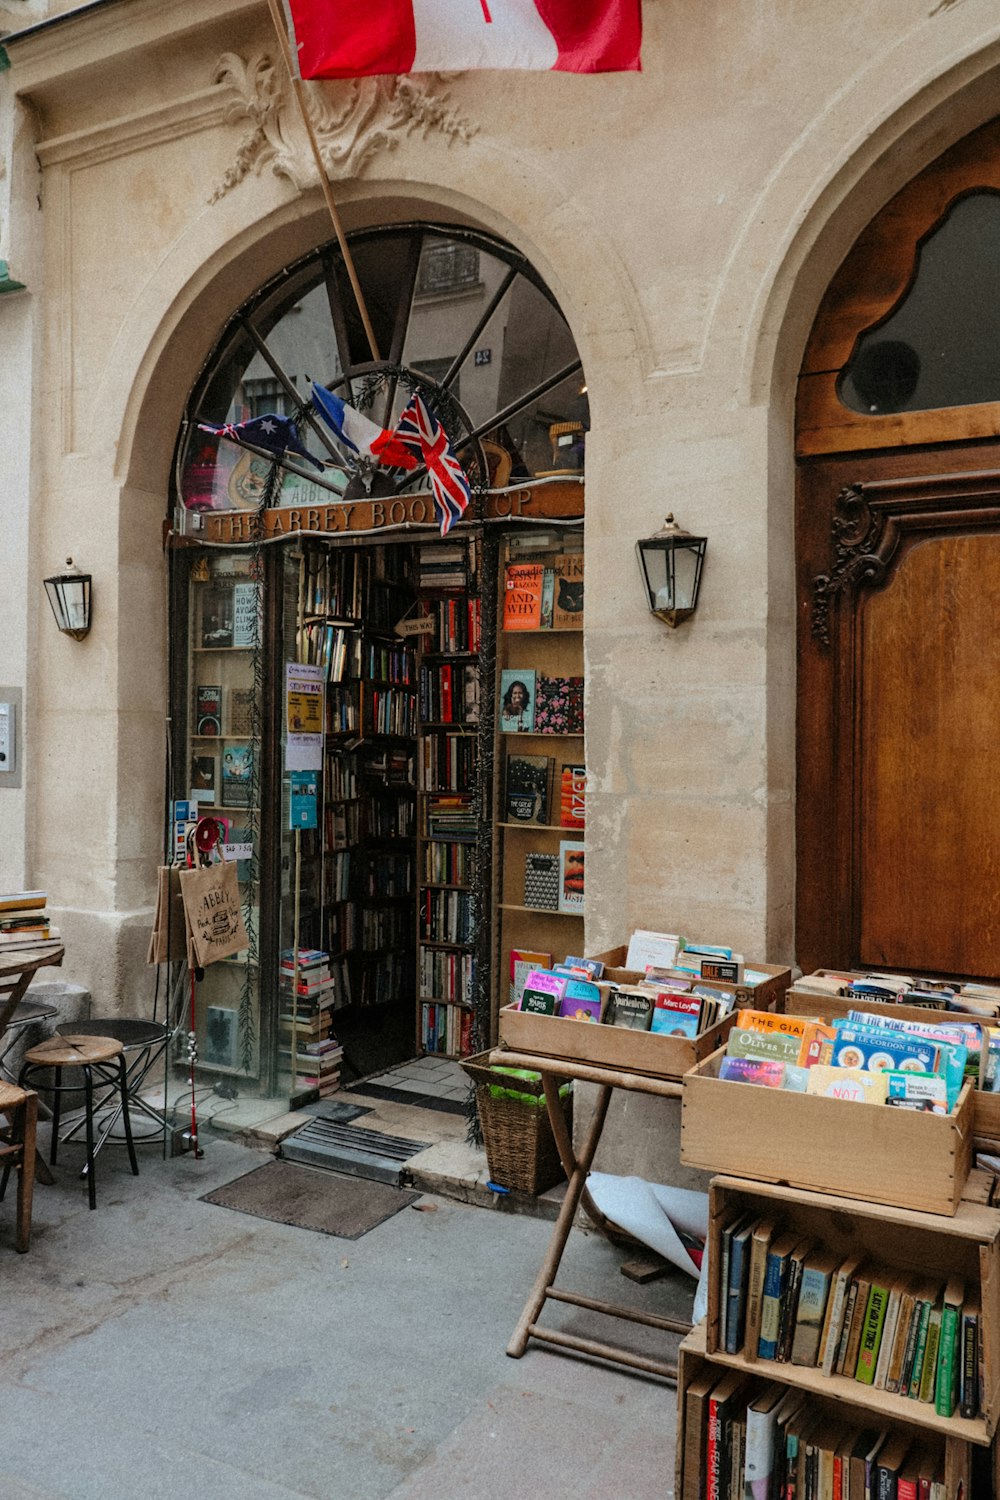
x=354, y=38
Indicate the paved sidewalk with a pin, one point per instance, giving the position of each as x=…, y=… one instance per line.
x=164, y=1347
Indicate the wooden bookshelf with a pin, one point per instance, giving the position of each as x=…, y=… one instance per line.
x=536, y=656
x=931, y=1247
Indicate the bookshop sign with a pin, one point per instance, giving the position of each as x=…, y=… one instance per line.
x=562, y=500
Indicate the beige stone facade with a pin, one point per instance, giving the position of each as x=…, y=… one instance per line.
x=688, y=219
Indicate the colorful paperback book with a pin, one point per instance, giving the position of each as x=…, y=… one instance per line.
x=581, y=1002
x=775, y=1279
x=852, y=1084
x=750, y=1070
x=676, y=1015
x=814, y=1291
x=879, y=1049
x=559, y=705
x=528, y=781
x=573, y=796
x=778, y=1045
x=534, y=1004
x=521, y=963
x=871, y=1333
x=523, y=584
x=237, y=772
x=544, y=982
x=572, y=876
x=208, y=710
x=925, y=1092
x=593, y=966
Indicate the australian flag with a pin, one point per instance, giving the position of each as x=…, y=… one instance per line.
x=421, y=432
x=277, y=435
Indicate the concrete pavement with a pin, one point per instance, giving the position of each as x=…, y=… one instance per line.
x=162, y=1348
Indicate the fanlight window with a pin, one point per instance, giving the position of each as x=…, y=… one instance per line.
x=941, y=345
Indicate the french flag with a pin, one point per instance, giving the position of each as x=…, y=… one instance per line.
x=348, y=39
x=356, y=432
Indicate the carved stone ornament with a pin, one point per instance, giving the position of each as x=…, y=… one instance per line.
x=856, y=532
x=352, y=120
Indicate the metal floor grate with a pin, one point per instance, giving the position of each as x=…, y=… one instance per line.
x=349, y=1148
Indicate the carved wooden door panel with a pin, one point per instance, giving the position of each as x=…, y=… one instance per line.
x=899, y=713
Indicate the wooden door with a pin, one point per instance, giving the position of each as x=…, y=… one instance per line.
x=899, y=713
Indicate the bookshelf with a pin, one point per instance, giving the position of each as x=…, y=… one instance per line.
x=351, y=599
x=449, y=605
x=539, y=792
x=224, y=604
x=899, y=1244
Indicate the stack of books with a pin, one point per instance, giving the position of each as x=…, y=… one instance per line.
x=306, y=1043
x=24, y=920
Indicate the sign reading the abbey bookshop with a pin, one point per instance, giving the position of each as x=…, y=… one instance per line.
x=562, y=500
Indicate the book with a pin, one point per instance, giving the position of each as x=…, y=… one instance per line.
x=517, y=700
x=521, y=962
x=968, y=1376
x=861, y=1461
x=736, y=1288
x=541, y=880
x=853, y=1085
x=573, y=796
x=204, y=777
x=527, y=790
x=522, y=596
x=946, y=1380
x=237, y=772
x=241, y=706
x=559, y=705
x=850, y=1310
x=696, y=1432
x=817, y=1274
x=759, y=1459
x=767, y=1074
x=572, y=875
x=790, y=1300
x=246, y=614
x=904, y=1322
x=760, y=1244
x=871, y=1332
x=548, y=598
x=647, y=949
x=631, y=1007
x=775, y=1277
x=913, y=1371
x=928, y=1371
x=778, y=1045
x=23, y=901
x=836, y=1309
x=543, y=982
x=722, y=1402
x=676, y=1015
x=582, y=1001
x=208, y=709
x=888, y=1463
x=888, y=1333
x=534, y=1004
x=567, y=613
x=217, y=615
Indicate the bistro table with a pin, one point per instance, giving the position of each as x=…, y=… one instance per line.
x=555, y=1071
x=18, y=967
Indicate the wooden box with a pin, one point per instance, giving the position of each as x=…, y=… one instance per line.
x=604, y=1046
x=985, y=1106
x=868, y=1151
x=767, y=995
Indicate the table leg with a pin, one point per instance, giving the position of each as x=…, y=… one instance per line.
x=564, y=1223
x=564, y=1145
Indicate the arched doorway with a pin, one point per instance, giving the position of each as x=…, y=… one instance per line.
x=378, y=863
x=898, y=586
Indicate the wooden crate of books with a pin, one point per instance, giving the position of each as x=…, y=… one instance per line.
x=889, y=1309
x=891, y=1156
x=766, y=994
x=604, y=1046
x=986, y=1103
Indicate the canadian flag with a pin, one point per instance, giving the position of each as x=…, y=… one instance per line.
x=353, y=38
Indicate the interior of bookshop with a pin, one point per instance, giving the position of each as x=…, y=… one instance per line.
x=433, y=693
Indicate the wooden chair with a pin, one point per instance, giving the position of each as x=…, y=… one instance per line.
x=19, y=1107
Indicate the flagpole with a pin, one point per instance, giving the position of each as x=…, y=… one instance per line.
x=297, y=88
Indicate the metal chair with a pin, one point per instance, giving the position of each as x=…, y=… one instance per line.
x=143, y=1043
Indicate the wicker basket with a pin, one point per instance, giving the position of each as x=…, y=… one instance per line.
x=520, y=1147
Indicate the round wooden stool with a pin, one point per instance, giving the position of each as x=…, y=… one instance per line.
x=92, y=1055
x=17, y=1149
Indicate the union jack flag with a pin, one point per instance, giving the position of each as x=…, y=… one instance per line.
x=421, y=432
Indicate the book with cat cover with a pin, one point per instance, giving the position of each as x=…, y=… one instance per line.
x=567, y=613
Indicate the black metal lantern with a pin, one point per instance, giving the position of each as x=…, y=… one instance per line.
x=671, y=561
x=69, y=596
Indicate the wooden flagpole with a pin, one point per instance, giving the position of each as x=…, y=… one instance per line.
x=298, y=89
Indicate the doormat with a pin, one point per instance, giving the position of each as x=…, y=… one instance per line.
x=347, y=1207
x=376, y=1090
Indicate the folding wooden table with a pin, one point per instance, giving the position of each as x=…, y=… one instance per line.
x=554, y=1072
